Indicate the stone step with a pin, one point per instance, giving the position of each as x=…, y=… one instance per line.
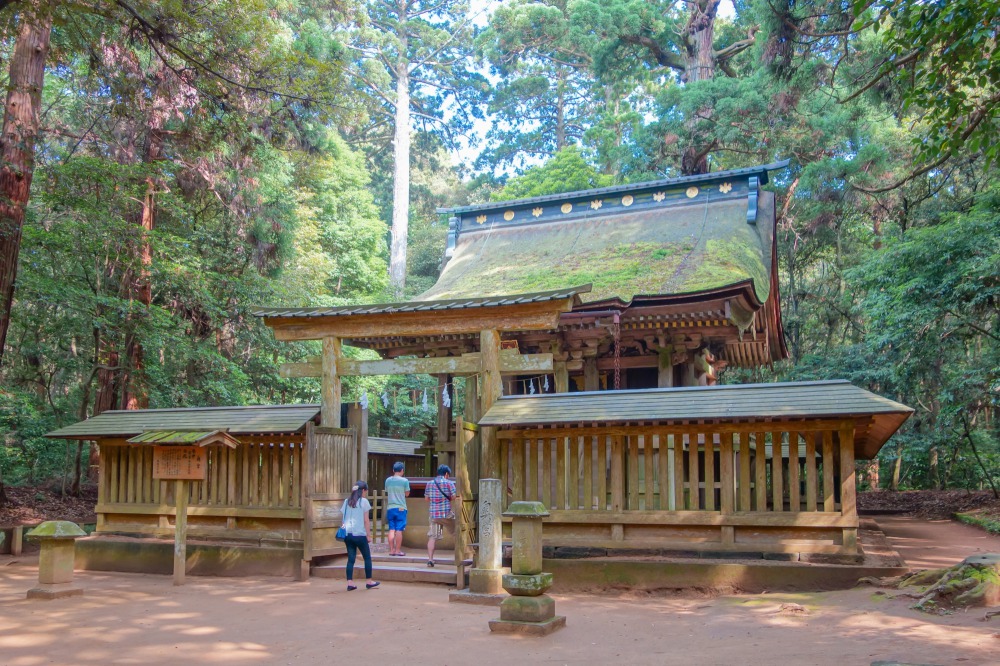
x=417, y=558
x=442, y=575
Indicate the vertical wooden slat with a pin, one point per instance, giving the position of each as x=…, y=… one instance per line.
x=694, y=478
x=280, y=475
x=232, y=472
x=602, y=473
x=710, y=472
x=588, y=472
x=727, y=479
x=146, y=474
x=632, y=482
x=114, y=488
x=745, y=471
x=777, y=478
x=517, y=468
x=617, y=474
x=829, y=501
x=761, y=479
x=678, y=441
x=531, y=457
x=812, y=490
x=794, y=487
x=129, y=469
x=663, y=458
x=243, y=452
x=647, y=459
x=573, y=468
x=253, y=451
x=265, y=474
x=545, y=472
x=561, y=499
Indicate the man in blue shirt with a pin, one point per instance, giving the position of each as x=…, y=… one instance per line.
x=397, y=487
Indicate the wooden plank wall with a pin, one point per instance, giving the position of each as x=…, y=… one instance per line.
x=712, y=470
x=257, y=474
x=333, y=456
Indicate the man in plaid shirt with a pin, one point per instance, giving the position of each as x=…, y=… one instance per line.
x=440, y=492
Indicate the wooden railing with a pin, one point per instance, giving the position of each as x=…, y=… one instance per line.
x=778, y=474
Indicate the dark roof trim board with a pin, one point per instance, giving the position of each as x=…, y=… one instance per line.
x=751, y=402
x=761, y=172
x=425, y=306
x=263, y=420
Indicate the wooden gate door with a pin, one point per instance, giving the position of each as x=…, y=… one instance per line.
x=331, y=464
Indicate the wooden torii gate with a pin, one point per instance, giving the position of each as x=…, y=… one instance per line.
x=486, y=316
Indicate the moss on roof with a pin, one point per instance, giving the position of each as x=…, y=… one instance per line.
x=677, y=249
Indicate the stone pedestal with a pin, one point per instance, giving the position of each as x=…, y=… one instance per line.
x=486, y=579
x=528, y=610
x=55, y=560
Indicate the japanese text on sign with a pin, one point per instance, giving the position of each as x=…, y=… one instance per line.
x=179, y=462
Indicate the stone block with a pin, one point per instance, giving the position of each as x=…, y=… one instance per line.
x=528, y=609
x=486, y=581
x=528, y=628
x=527, y=546
x=476, y=599
x=55, y=562
x=58, y=591
x=527, y=585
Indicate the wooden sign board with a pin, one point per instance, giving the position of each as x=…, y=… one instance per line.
x=180, y=462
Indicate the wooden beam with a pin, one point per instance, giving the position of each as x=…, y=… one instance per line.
x=521, y=317
x=561, y=377
x=330, y=408
x=511, y=363
x=490, y=389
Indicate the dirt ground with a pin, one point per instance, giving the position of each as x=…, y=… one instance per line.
x=139, y=619
x=142, y=619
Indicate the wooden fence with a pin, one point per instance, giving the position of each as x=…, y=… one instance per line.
x=271, y=487
x=725, y=486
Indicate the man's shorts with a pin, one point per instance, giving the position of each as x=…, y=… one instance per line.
x=439, y=526
x=396, y=519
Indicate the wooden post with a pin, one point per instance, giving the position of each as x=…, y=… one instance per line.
x=489, y=347
x=617, y=484
x=665, y=368
x=330, y=408
x=561, y=377
x=357, y=419
x=443, y=413
x=591, y=379
x=180, y=530
x=848, y=487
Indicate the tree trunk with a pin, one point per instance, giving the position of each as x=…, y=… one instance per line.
x=897, y=468
x=699, y=33
x=561, y=113
x=401, y=177
x=17, y=148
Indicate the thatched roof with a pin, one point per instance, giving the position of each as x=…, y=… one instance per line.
x=666, y=237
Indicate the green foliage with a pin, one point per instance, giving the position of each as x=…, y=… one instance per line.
x=567, y=171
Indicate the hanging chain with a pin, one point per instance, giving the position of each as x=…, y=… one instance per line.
x=617, y=330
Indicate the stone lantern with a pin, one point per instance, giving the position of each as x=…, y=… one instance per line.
x=55, y=561
x=528, y=610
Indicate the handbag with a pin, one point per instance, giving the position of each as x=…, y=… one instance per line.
x=342, y=531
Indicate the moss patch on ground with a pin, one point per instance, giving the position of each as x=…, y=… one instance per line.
x=986, y=521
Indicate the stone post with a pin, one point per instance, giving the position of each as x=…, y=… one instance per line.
x=528, y=610
x=486, y=579
x=55, y=561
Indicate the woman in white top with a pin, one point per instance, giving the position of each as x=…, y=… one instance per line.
x=358, y=526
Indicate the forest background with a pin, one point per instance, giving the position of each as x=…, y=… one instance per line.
x=169, y=165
